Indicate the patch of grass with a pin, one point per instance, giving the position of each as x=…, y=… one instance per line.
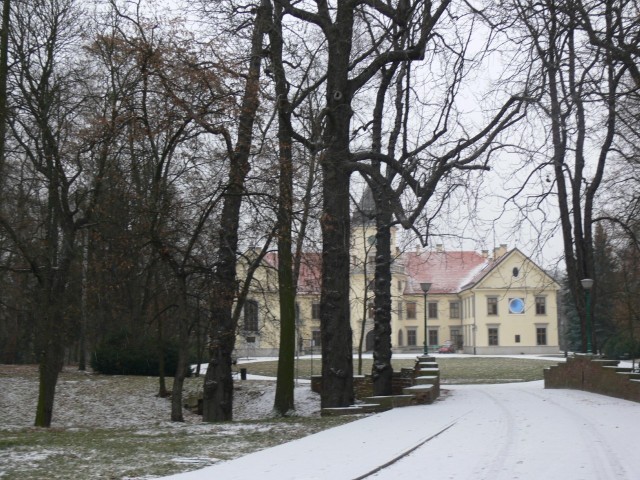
x=453, y=370
x=39, y=454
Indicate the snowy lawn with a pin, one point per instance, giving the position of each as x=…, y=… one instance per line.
x=116, y=427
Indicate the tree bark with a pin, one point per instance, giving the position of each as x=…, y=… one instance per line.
x=382, y=370
x=218, y=382
x=183, y=352
x=284, y=398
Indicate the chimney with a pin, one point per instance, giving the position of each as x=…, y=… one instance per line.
x=499, y=251
x=439, y=247
x=485, y=253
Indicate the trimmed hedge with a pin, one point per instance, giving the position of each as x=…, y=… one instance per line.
x=127, y=354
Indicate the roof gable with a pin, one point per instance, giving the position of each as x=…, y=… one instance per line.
x=513, y=270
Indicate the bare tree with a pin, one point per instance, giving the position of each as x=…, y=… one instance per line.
x=577, y=91
x=47, y=98
x=218, y=383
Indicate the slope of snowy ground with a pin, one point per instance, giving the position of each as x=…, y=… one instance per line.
x=116, y=427
x=480, y=432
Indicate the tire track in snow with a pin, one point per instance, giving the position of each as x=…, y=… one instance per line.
x=501, y=454
x=499, y=426
x=604, y=460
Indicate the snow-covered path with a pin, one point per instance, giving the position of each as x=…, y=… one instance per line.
x=480, y=432
x=520, y=431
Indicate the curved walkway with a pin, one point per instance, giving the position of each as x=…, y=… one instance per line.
x=476, y=432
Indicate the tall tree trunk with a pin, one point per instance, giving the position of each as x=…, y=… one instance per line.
x=183, y=352
x=284, y=399
x=335, y=322
x=382, y=370
x=337, y=350
x=218, y=382
x=50, y=348
x=52, y=330
x=50, y=364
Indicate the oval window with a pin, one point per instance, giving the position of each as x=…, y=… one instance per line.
x=516, y=272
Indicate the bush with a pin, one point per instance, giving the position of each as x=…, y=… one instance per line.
x=127, y=354
x=622, y=346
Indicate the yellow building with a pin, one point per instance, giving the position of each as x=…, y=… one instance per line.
x=498, y=303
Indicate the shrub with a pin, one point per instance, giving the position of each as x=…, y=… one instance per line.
x=126, y=354
x=621, y=346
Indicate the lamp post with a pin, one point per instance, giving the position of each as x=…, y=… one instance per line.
x=425, y=288
x=587, y=284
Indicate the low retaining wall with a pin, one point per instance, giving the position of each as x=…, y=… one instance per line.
x=363, y=384
x=594, y=375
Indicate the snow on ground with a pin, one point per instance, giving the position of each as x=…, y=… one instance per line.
x=480, y=432
x=76, y=403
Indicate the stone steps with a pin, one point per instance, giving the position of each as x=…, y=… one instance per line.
x=391, y=401
x=426, y=380
x=425, y=390
x=618, y=369
x=427, y=365
x=424, y=394
x=605, y=363
x=354, y=410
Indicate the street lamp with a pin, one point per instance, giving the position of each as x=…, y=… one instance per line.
x=425, y=288
x=587, y=284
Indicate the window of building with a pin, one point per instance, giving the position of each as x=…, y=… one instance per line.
x=456, y=336
x=492, y=305
x=454, y=309
x=433, y=309
x=315, y=310
x=541, y=335
x=400, y=339
x=400, y=311
x=433, y=337
x=250, y=316
x=493, y=336
x=516, y=306
x=517, y=338
x=400, y=290
x=372, y=310
x=411, y=310
x=412, y=337
x=541, y=305
x=316, y=339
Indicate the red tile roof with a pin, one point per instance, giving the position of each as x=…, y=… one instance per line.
x=448, y=272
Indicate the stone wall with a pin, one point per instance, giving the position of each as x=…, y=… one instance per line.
x=594, y=375
x=363, y=384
